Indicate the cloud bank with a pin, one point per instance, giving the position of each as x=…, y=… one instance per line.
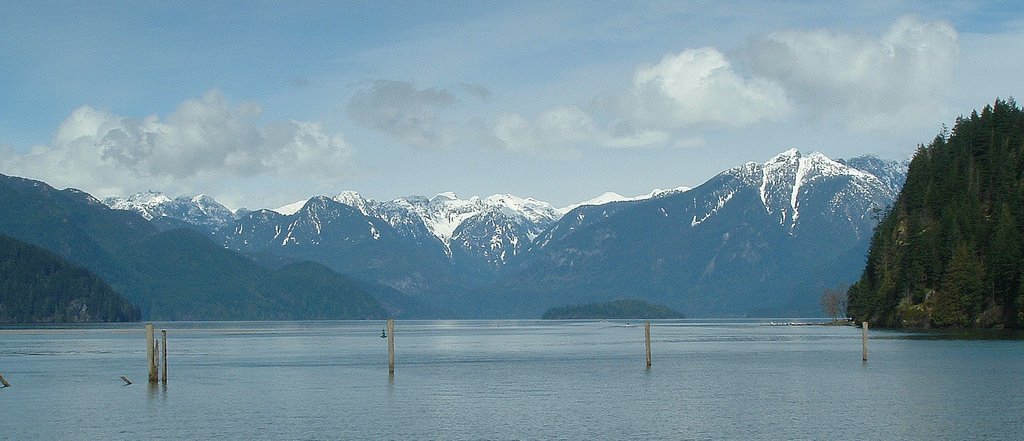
x=410, y=115
x=203, y=139
x=887, y=82
x=874, y=83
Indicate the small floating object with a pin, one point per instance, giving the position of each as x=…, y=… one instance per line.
x=383, y=333
x=126, y=380
x=4, y=382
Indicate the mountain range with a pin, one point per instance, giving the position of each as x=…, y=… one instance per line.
x=178, y=274
x=756, y=240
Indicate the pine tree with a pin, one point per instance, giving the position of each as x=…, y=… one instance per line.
x=953, y=242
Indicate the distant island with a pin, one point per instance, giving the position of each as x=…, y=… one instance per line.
x=618, y=309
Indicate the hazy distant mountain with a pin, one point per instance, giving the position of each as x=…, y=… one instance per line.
x=756, y=240
x=609, y=197
x=341, y=237
x=478, y=235
x=70, y=223
x=200, y=211
x=181, y=274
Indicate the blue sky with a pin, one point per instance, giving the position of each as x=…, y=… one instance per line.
x=260, y=104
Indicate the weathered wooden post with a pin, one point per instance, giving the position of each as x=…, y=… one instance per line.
x=151, y=352
x=864, y=341
x=163, y=337
x=647, y=339
x=156, y=360
x=391, y=346
x=3, y=381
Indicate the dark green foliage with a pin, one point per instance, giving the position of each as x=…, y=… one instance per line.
x=37, y=286
x=950, y=252
x=68, y=222
x=173, y=275
x=183, y=275
x=618, y=309
x=312, y=291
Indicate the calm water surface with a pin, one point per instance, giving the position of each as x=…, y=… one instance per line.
x=508, y=380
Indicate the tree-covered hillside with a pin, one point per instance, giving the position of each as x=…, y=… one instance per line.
x=37, y=286
x=171, y=275
x=950, y=251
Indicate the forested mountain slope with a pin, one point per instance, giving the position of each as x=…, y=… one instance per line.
x=949, y=251
x=37, y=286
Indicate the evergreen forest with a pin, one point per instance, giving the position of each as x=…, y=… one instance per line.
x=37, y=286
x=950, y=251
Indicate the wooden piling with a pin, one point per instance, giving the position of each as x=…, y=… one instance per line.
x=163, y=338
x=156, y=359
x=864, y=341
x=151, y=353
x=647, y=340
x=3, y=381
x=391, y=346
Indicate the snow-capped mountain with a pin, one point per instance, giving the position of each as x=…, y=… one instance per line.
x=758, y=239
x=610, y=196
x=891, y=173
x=443, y=214
x=477, y=234
x=344, y=238
x=490, y=229
x=200, y=211
x=791, y=183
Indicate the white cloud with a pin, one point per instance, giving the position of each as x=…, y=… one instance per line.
x=699, y=87
x=559, y=131
x=204, y=139
x=884, y=82
x=553, y=130
x=888, y=82
x=410, y=115
x=696, y=87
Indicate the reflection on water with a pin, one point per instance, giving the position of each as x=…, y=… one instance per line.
x=510, y=380
x=963, y=334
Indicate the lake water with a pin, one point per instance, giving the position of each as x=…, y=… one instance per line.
x=508, y=380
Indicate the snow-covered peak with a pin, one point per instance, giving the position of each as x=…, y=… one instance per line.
x=659, y=193
x=355, y=200
x=349, y=196
x=198, y=209
x=786, y=156
x=891, y=173
x=145, y=203
x=609, y=197
x=785, y=175
x=533, y=210
x=445, y=212
x=291, y=208
x=448, y=195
